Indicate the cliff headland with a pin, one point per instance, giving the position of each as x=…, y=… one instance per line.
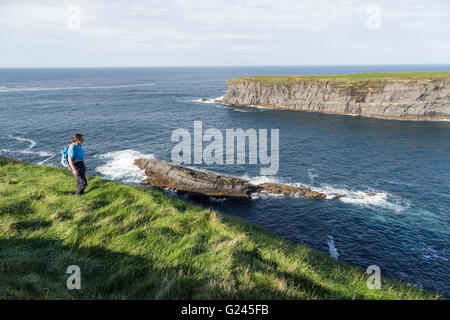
x=402, y=95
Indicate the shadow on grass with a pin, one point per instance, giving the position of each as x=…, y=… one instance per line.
x=36, y=269
x=31, y=225
x=65, y=193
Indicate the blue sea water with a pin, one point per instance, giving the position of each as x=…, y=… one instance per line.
x=403, y=225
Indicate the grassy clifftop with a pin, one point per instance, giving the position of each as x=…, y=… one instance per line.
x=134, y=242
x=350, y=78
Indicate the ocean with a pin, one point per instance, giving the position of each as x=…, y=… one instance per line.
x=395, y=174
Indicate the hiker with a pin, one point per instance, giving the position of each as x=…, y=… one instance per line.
x=75, y=155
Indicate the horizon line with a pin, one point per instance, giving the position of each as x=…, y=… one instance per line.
x=230, y=66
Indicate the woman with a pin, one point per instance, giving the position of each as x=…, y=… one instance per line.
x=76, y=162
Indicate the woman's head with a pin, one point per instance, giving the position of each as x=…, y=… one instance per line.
x=77, y=138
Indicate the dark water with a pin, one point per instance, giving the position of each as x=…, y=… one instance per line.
x=127, y=113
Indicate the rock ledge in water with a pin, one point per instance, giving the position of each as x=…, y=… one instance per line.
x=163, y=175
x=276, y=188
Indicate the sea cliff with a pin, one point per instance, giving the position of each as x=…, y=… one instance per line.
x=418, y=96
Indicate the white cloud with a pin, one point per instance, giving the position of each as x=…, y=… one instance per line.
x=280, y=32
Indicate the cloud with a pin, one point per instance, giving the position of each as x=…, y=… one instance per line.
x=129, y=29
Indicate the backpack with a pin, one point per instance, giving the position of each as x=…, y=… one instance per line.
x=65, y=156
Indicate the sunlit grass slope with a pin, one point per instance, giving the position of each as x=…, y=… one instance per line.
x=134, y=242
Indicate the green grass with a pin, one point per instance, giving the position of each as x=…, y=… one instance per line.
x=348, y=78
x=135, y=242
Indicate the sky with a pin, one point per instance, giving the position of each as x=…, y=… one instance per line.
x=100, y=33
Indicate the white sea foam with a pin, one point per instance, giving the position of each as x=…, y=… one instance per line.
x=312, y=175
x=206, y=100
x=33, y=89
x=218, y=101
x=370, y=198
x=332, y=248
x=260, y=179
x=239, y=110
x=32, y=144
x=39, y=153
x=259, y=107
x=367, y=198
x=120, y=166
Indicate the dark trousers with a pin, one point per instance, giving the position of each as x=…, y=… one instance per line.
x=81, y=178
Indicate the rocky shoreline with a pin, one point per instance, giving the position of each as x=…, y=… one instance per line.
x=390, y=98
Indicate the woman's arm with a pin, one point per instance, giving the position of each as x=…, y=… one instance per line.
x=72, y=166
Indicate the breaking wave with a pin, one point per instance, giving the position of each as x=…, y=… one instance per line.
x=234, y=108
x=206, y=100
x=367, y=198
x=120, y=166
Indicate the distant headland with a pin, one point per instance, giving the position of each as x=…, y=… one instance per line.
x=399, y=95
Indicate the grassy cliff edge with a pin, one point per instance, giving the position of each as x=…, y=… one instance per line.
x=347, y=78
x=135, y=242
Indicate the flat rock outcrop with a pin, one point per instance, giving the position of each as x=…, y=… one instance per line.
x=162, y=175
x=402, y=98
x=275, y=188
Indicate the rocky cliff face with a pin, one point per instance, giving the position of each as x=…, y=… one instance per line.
x=384, y=98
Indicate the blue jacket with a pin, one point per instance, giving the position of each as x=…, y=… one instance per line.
x=76, y=152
